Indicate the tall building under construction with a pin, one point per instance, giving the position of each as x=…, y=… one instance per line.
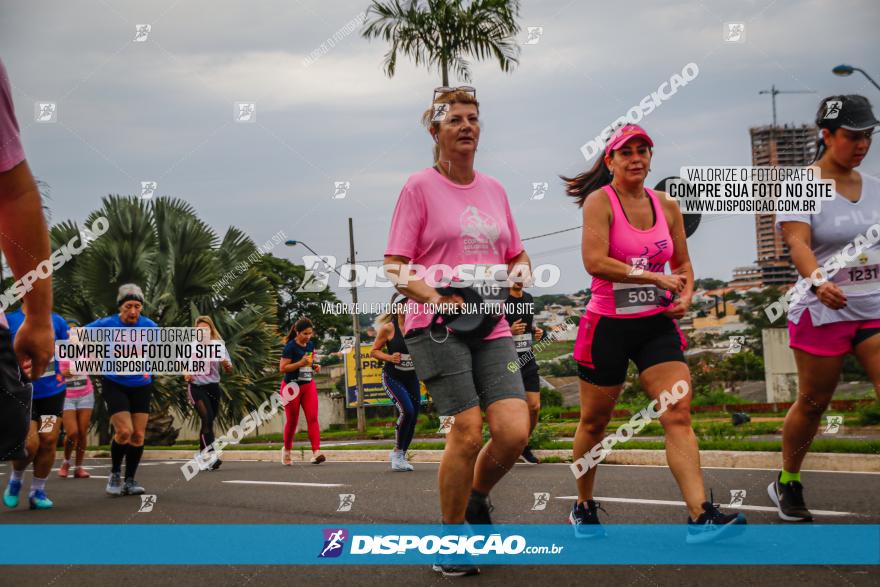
x=779, y=145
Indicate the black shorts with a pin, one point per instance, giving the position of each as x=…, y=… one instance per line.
x=608, y=344
x=48, y=406
x=15, y=402
x=120, y=398
x=530, y=378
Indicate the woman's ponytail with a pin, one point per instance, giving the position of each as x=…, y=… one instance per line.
x=581, y=186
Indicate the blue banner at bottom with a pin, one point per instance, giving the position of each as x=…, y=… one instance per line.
x=255, y=544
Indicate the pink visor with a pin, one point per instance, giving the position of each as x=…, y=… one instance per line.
x=624, y=134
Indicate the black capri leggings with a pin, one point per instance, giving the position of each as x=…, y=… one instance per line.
x=206, y=399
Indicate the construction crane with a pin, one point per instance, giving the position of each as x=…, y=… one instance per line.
x=773, y=91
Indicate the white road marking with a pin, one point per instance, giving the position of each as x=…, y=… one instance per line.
x=289, y=483
x=89, y=467
x=776, y=470
x=754, y=508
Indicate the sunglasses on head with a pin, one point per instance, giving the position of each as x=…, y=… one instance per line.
x=446, y=89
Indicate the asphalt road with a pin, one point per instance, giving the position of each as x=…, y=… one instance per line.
x=384, y=497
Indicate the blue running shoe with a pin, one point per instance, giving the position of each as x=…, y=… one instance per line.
x=584, y=518
x=38, y=500
x=10, y=496
x=714, y=525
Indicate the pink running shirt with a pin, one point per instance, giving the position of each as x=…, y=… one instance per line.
x=627, y=244
x=437, y=221
x=11, y=151
x=77, y=385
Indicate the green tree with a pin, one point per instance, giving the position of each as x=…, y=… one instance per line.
x=708, y=283
x=441, y=33
x=704, y=374
x=755, y=316
x=742, y=366
x=285, y=278
x=176, y=258
x=565, y=367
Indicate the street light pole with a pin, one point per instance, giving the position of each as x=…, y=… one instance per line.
x=844, y=70
x=358, y=373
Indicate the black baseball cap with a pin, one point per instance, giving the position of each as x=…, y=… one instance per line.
x=852, y=112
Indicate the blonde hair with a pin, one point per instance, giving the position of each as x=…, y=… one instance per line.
x=386, y=317
x=455, y=97
x=215, y=334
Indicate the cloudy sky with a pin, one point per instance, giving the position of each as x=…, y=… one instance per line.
x=162, y=110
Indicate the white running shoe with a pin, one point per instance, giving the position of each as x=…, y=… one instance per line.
x=408, y=465
x=399, y=462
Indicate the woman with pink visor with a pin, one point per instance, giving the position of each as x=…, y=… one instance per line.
x=630, y=234
x=837, y=250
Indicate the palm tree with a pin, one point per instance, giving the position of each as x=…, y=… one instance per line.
x=440, y=33
x=163, y=246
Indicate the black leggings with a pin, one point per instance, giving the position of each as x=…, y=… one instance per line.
x=206, y=399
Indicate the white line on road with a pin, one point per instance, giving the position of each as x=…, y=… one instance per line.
x=776, y=470
x=754, y=508
x=291, y=483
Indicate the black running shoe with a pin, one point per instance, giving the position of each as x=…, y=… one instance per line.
x=456, y=570
x=789, y=500
x=216, y=465
x=478, y=510
x=585, y=519
x=713, y=525
x=528, y=457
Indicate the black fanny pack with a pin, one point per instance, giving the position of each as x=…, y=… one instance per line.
x=467, y=325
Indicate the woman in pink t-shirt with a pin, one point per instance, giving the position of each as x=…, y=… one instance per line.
x=455, y=221
x=77, y=415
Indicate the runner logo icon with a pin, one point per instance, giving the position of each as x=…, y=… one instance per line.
x=147, y=503
x=737, y=496
x=47, y=423
x=736, y=344
x=539, y=189
x=334, y=541
x=317, y=275
x=832, y=108
x=833, y=424
x=541, y=501
x=346, y=500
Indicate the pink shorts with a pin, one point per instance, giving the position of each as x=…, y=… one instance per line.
x=829, y=340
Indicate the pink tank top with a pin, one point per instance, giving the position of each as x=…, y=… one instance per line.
x=643, y=250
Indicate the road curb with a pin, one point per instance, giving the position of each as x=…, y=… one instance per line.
x=859, y=463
